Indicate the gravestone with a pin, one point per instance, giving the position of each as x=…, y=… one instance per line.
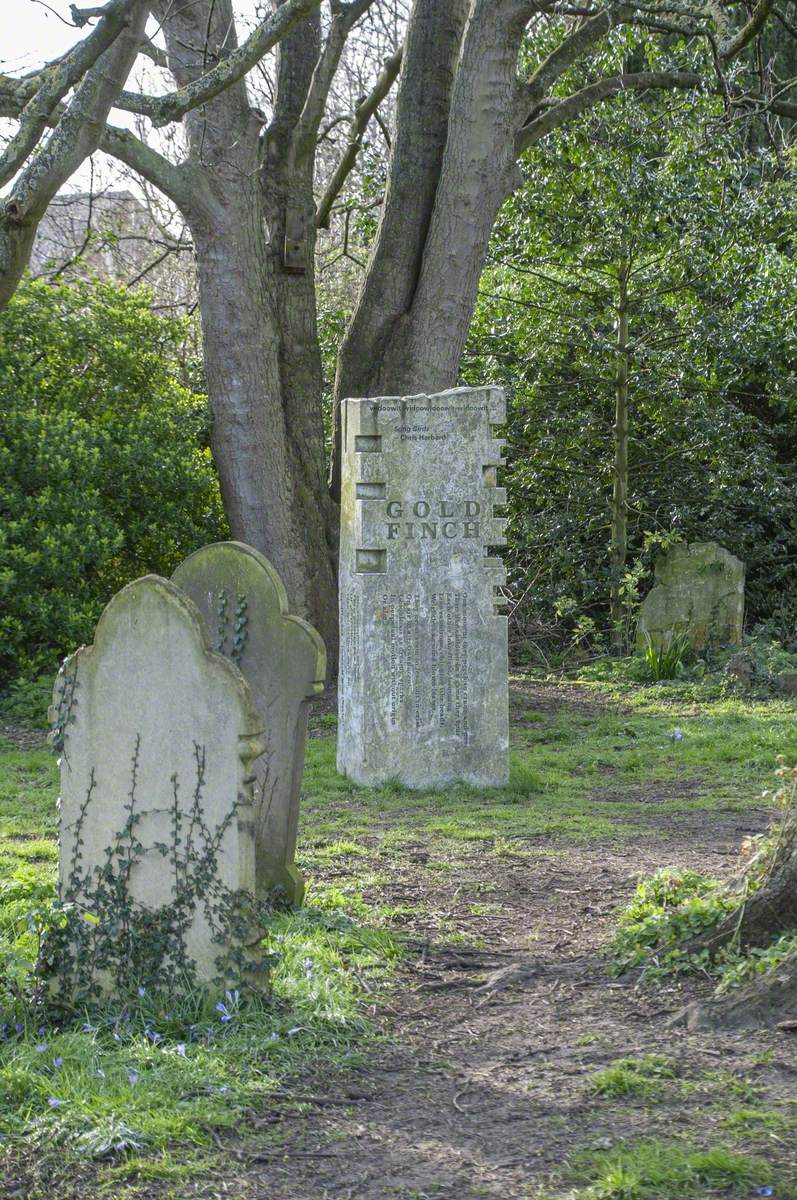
x=423, y=690
x=243, y=601
x=157, y=734
x=698, y=593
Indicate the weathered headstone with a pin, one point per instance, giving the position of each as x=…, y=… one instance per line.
x=423, y=690
x=699, y=593
x=156, y=734
x=243, y=601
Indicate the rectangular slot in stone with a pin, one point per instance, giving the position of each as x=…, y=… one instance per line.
x=370, y=491
x=367, y=443
x=371, y=562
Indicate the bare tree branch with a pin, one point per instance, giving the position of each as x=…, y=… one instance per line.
x=76, y=135
x=306, y=134
x=362, y=115
x=174, y=105
x=594, y=93
x=56, y=81
x=730, y=47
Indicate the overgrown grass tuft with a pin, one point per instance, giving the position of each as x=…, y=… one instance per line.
x=664, y=1170
x=625, y=1077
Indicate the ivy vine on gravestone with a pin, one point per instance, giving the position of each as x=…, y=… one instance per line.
x=156, y=733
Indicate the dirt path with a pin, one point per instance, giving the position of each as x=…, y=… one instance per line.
x=479, y=1087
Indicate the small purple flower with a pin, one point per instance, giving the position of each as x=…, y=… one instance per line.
x=51, y=1100
x=677, y=735
x=58, y=1062
x=89, y=1028
x=132, y=1078
x=180, y=1049
x=765, y=1191
x=19, y=1027
x=225, y=1015
x=41, y=1047
x=142, y=991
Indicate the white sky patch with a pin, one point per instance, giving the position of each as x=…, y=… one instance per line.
x=33, y=33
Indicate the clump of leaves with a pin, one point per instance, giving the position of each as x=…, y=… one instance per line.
x=665, y=659
x=741, y=968
x=667, y=910
x=632, y=1077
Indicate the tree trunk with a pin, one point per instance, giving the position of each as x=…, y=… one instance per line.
x=769, y=1002
x=771, y=999
x=261, y=354
x=418, y=296
x=770, y=911
x=619, y=523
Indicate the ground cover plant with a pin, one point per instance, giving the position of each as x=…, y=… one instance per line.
x=449, y=974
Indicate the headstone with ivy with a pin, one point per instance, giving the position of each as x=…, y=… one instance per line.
x=698, y=597
x=423, y=692
x=156, y=734
x=245, y=607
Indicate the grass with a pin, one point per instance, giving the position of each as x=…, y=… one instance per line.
x=578, y=774
x=149, y=1076
x=626, y=1077
x=157, y=1083
x=668, y=1170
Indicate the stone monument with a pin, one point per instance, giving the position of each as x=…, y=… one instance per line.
x=157, y=734
x=243, y=601
x=698, y=593
x=423, y=690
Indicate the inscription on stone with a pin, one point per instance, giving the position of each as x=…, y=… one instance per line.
x=423, y=693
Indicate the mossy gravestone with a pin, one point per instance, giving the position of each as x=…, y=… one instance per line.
x=245, y=607
x=699, y=594
x=156, y=734
x=423, y=692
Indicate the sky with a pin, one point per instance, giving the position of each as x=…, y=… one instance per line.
x=33, y=32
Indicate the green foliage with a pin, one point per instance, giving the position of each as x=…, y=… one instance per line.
x=98, y=932
x=27, y=700
x=105, y=471
x=665, y=659
x=665, y=911
x=741, y=968
x=662, y=1170
x=712, y=387
x=632, y=1077
x=672, y=907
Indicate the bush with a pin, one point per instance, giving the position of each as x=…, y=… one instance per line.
x=105, y=470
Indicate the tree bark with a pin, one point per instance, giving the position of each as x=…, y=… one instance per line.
x=768, y=1002
x=452, y=167
x=765, y=914
x=772, y=999
x=619, y=521
x=261, y=352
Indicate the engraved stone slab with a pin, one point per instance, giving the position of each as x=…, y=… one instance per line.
x=699, y=592
x=156, y=733
x=423, y=691
x=245, y=607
